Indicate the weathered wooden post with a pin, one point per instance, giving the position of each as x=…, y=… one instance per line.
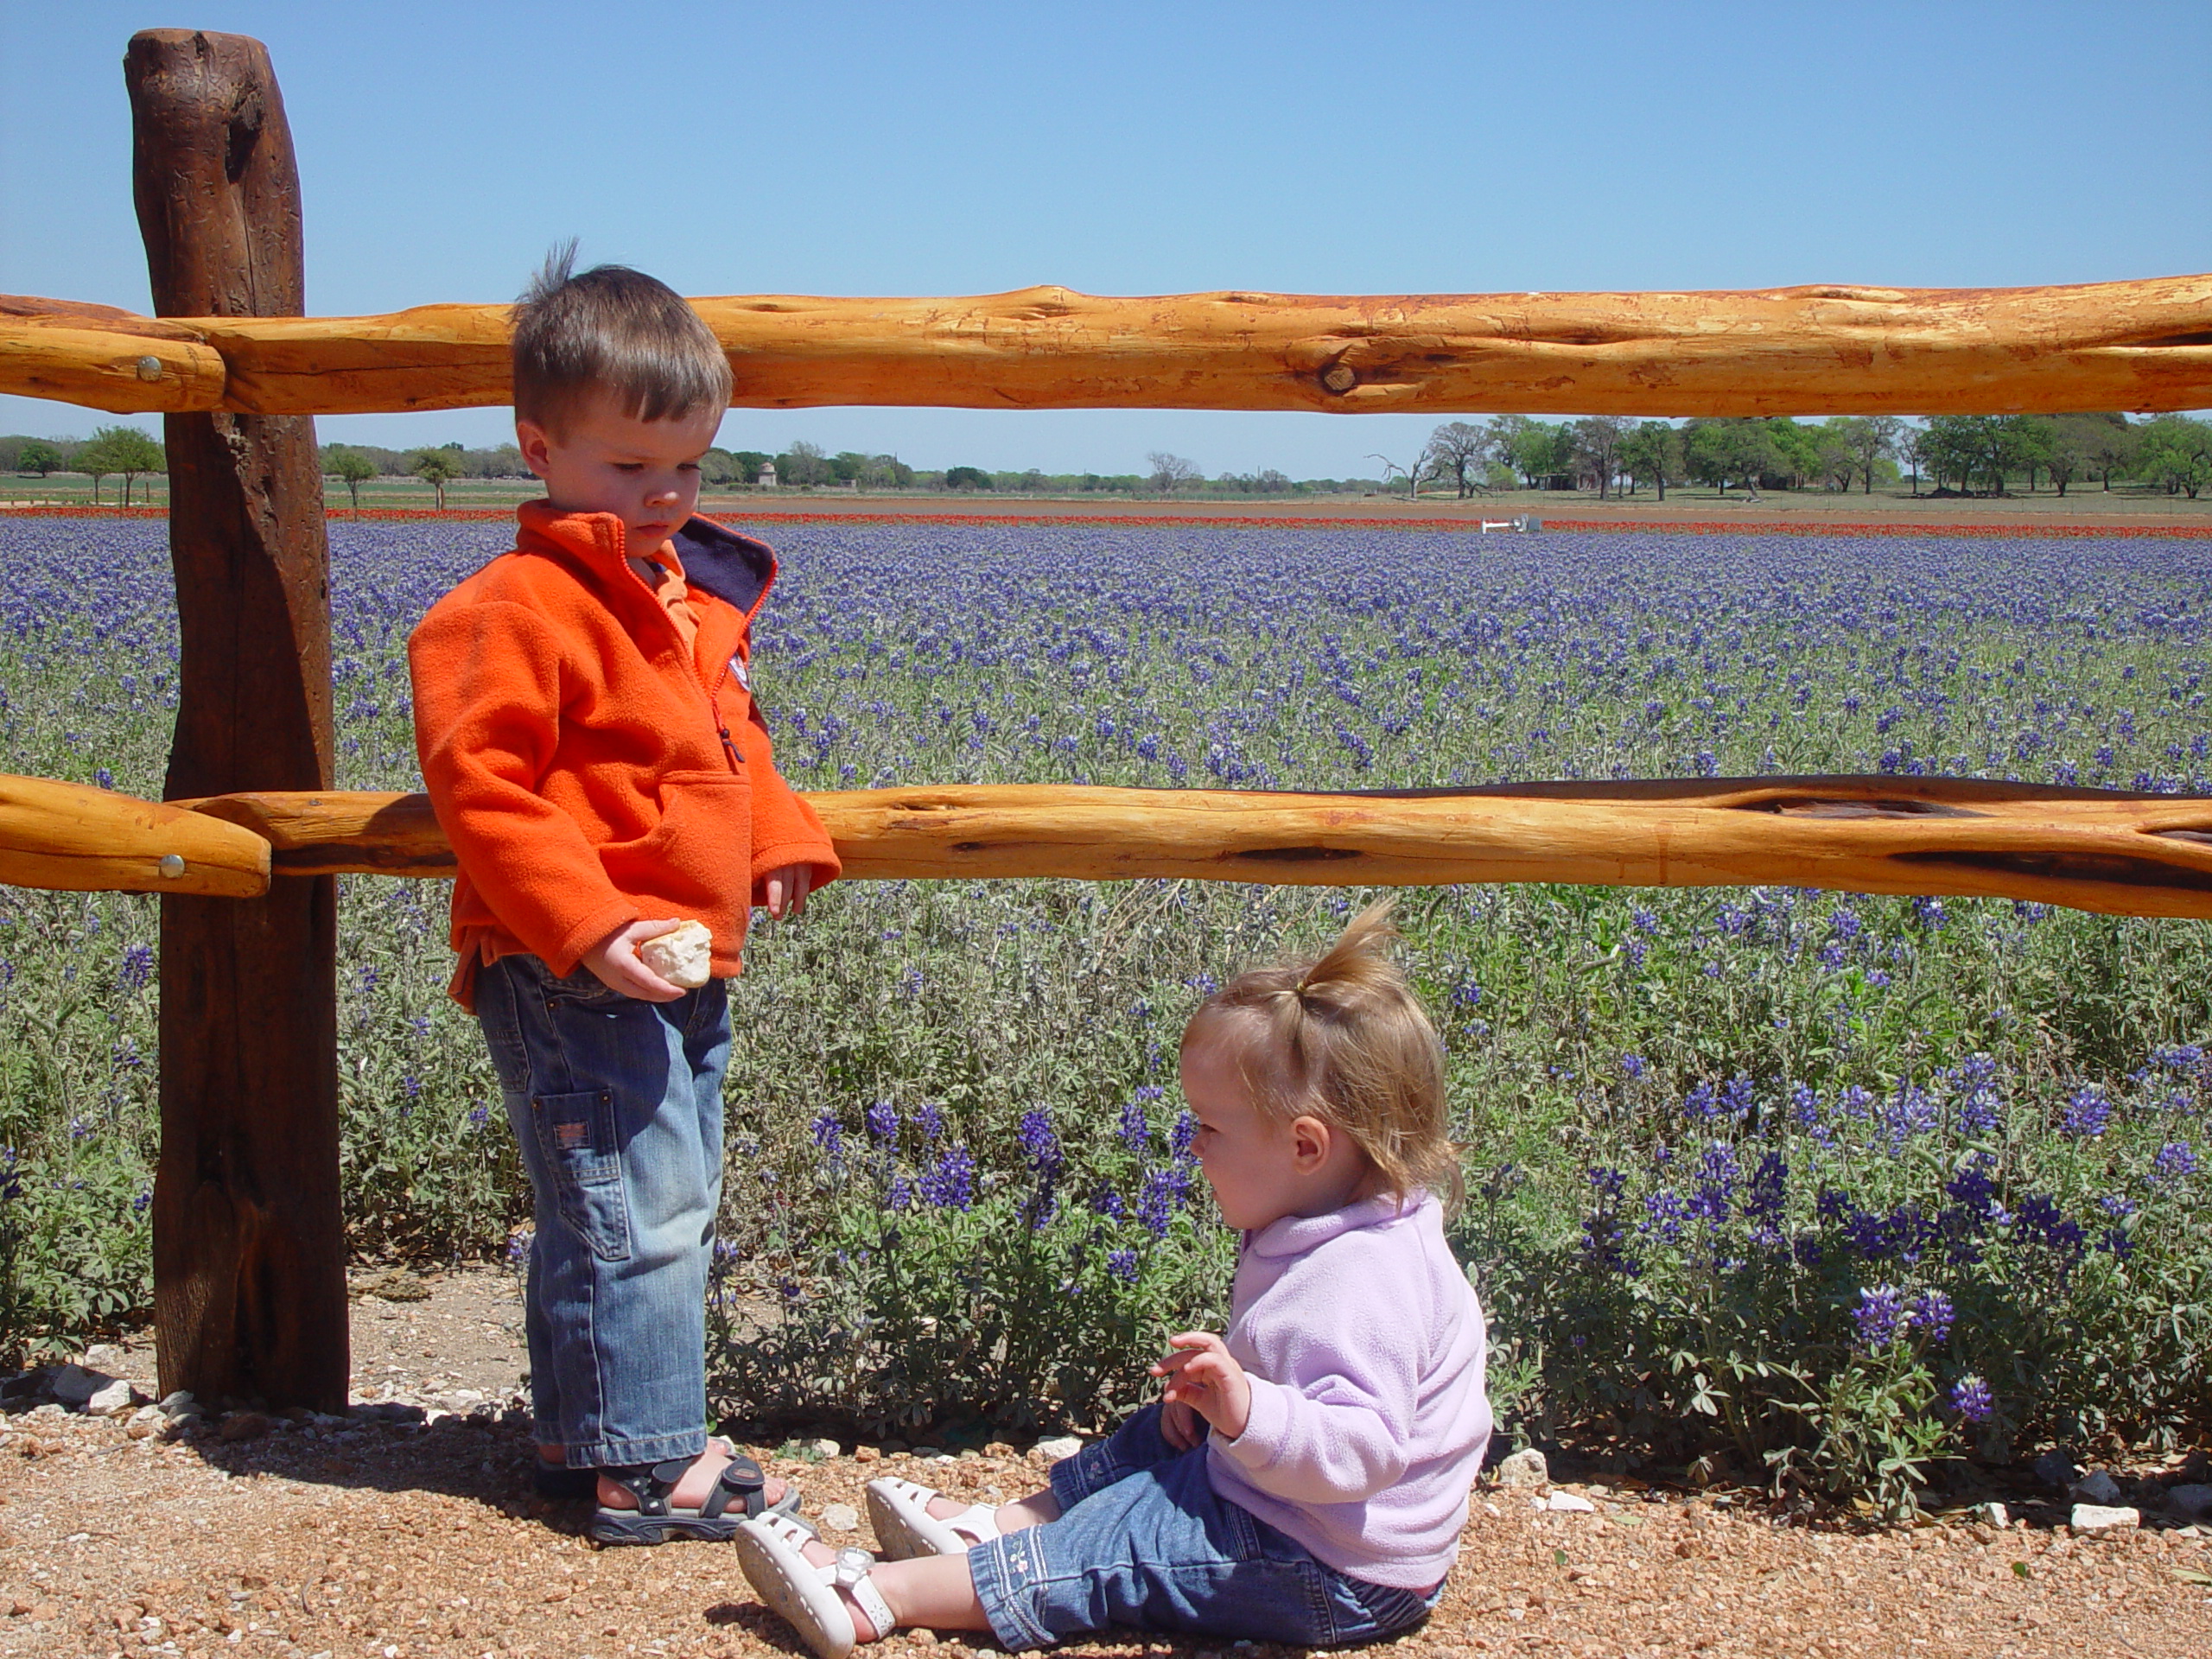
x=249, y=1246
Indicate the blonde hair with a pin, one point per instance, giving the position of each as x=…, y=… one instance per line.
x=1343, y=1038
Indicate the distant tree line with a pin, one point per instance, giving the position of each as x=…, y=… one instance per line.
x=1960, y=453
x=1953, y=454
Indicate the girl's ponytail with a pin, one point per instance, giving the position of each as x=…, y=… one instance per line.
x=1343, y=1038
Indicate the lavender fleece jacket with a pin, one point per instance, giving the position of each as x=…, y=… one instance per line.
x=1365, y=1349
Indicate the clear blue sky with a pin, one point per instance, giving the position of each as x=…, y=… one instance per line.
x=1135, y=148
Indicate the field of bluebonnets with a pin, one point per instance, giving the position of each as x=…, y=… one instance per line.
x=1835, y=1191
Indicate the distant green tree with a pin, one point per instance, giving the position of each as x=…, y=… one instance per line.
x=351, y=468
x=1596, y=441
x=1456, y=448
x=1839, y=463
x=1730, y=451
x=886, y=472
x=967, y=478
x=2175, y=452
x=2109, y=442
x=1984, y=448
x=37, y=455
x=1651, y=452
x=2034, y=441
x=437, y=468
x=122, y=449
x=1540, y=450
x=1796, y=451
x=749, y=463
x=1874, y=439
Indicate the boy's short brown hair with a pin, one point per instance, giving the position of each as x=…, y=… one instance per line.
x=612, y=332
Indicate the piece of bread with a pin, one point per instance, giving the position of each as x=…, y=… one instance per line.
x=683, y=956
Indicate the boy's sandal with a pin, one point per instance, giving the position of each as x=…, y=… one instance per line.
x=771, y=1550
x=737, y=1497
x=899, y=1512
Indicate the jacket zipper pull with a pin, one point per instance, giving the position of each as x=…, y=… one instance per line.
x=730, y=747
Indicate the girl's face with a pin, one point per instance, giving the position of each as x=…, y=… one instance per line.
x=1248, y=1158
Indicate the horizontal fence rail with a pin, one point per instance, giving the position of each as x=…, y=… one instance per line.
x=2140, y=345
x=2090, y=850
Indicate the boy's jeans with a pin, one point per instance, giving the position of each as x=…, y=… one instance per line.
x=1142, y=1540
x=617, y=1106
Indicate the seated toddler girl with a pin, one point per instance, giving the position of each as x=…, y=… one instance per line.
x=1305, y=1477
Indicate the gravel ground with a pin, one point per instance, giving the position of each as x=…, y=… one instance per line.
x=384, y=1539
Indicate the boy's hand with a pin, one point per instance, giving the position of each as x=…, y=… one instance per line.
x=787, y=890
x=1203, y=1376
x=613, y=961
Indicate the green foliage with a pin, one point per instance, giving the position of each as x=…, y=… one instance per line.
x=1724, y=452
x=1651, y=452
x=967, y=478
x=122, y=449
x=37, y=455
x=861, y=1280
x=437, y=468
x=351, y=466
x=2174, y=452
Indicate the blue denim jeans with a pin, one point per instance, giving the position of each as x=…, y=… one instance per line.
x=617, y=1106
x=1143, y=1542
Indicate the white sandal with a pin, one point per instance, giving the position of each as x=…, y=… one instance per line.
x=806, y=1596
x=899, y=1512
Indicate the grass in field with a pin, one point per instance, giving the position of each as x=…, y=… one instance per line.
x=1832, y=1187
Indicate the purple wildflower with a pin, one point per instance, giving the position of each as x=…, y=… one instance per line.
x=950, y=1182
x=1879, y=1316
x=1972, y=1400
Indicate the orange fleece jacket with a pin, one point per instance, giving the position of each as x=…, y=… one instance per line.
x=589, y=770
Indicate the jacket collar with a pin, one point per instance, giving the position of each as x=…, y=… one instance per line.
x=734, y=569
x=1297, y=1235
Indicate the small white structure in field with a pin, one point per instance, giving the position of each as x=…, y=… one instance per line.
x=767, y=479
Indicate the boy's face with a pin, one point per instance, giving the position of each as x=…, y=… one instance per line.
x=646, y=472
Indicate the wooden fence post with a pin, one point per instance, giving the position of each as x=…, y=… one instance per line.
x=249, y=1243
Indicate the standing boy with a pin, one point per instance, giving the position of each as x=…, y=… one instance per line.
x=588, y=740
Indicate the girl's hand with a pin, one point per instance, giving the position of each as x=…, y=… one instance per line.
x=1203, y=1376
x=1179, y=1426
x=614, y=961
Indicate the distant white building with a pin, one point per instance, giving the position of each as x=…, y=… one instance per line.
x=767, y=479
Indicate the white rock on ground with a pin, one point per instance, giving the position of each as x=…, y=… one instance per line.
x=683, y=956
x=75, y=1384
x=841, y=1517
x=1525, y=1468
x=1997, y=1514
x=116, y=1396
x=1570, y=1503
x=2096, y=1517
x=823, y=1448
x=1060, y=1448
x=2098, y=1488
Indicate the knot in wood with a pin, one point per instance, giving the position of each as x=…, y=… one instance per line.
x=1340, y=378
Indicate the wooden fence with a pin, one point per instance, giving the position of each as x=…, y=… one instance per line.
x=249, y=1251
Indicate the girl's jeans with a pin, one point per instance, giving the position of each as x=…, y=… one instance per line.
x=1142, y=1540
x=617, y=1106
